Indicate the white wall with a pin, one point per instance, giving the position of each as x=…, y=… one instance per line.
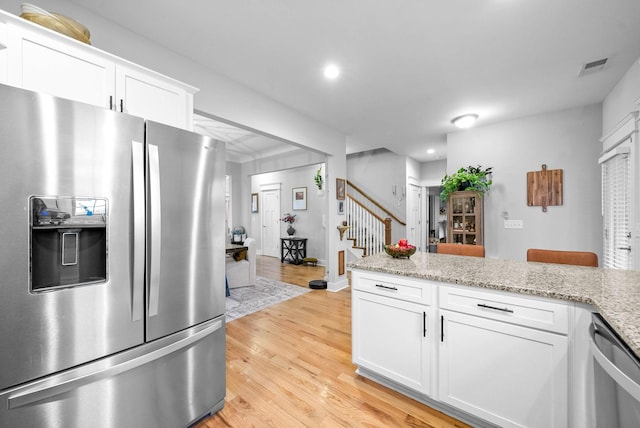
x=622, y=99
x=237, y=207
x=218, y=95
x=432, y=172
x=308, y=222
x=375, y=172
x=566, y=140
x=221, y=97
x=413, y=171
x=290, y=160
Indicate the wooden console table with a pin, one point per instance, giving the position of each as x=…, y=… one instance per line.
x=293, y=250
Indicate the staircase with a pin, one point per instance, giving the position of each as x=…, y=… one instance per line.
x=370, y=223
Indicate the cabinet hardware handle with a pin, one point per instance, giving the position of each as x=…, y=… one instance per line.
x=482, y=305
x=624, y=248
x=441, y=328
x=110, y=102
x=424, y=324
x=121, y=105
x=386, y=287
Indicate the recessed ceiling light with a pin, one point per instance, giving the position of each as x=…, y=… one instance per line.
x=431, y=151
x=465, y=121
x=331, y=71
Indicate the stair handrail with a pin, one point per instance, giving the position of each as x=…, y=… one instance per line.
x=376, y=203
x=355, y=201
x=368, y=232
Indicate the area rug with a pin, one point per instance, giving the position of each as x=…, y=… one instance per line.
x=247, y=300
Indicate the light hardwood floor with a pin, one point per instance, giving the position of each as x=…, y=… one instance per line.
x=289, y=365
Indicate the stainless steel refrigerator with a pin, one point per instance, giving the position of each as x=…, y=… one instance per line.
x=112, y=268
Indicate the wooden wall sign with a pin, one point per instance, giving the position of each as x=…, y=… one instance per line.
x=544, y=188
x=340, y=262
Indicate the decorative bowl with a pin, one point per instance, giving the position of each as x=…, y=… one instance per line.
x=56, y=22
x=396, y=251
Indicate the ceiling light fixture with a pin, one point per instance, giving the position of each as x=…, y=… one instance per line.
x=431, y=151
x=331, y=71
x=465, y=121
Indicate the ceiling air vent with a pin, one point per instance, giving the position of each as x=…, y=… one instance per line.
x=592, y=67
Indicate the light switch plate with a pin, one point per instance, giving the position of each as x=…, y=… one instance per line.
x=513, y=224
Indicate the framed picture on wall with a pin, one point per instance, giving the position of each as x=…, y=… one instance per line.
x=340, y=207
x=341, y=189
x=299, y=198
x=254, y=202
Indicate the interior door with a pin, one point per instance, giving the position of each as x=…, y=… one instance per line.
x=271, y=223
x=414, y=230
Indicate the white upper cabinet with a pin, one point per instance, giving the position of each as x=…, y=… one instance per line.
x=146, y=96
x=57, y=67
x=40, y=60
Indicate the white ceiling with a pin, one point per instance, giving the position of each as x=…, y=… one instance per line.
x=243, y=145
x=409, y=66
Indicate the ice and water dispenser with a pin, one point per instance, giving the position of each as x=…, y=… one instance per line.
x=68, y=241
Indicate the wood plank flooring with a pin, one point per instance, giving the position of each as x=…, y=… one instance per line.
x=290, y=366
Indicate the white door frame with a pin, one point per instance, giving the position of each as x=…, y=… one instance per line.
x=414, y=217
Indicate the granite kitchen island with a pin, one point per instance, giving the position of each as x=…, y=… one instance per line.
x=502, y=341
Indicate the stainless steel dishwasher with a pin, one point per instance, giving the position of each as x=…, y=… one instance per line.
x=616, y=378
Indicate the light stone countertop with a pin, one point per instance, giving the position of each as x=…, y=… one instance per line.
x=614, y=293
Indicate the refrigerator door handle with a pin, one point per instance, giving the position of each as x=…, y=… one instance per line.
x=156, y=238
x=137, y=287
x=52, y=389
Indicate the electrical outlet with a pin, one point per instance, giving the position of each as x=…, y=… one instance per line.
x=513, y=224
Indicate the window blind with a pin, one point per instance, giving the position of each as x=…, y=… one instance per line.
x=616, y=210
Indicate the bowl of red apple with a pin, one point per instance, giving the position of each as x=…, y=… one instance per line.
x=400, y=250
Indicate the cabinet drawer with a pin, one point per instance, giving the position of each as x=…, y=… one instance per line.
x=525, y=311
x=393, y=286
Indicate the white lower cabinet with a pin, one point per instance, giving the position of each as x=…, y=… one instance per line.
x=392, y=328
x=500, y=357
x=390, y=339
x=507, y=374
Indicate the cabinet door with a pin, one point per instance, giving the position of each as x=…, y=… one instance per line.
x=509, y=375
x=43, y=64
x=465, y=218
x=390, y=338
x=149, y=97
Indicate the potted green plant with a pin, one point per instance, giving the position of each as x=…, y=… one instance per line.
x=318, y=178
x=472, y=178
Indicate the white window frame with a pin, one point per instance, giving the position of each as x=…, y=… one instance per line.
x=620, y=196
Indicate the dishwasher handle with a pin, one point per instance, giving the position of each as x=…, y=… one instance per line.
x=599, y=329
